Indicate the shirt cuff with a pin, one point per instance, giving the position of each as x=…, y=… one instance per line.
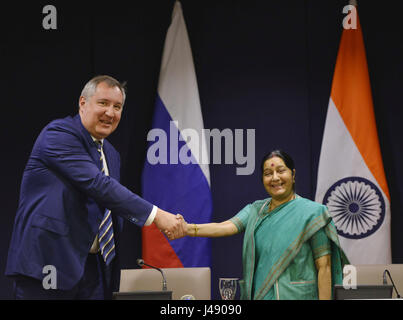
x=151, y=217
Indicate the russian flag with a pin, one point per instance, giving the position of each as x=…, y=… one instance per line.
x=175, y=177
x=351, y=178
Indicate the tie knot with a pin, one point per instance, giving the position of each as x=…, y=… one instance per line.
x=99, y=144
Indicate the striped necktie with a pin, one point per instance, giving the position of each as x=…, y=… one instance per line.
x=105, y=232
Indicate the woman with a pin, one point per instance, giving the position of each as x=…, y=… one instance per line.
x=291, y=249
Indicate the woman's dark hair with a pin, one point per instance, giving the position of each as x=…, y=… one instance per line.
x=288, y=161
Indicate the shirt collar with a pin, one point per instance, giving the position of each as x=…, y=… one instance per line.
x=99, y=140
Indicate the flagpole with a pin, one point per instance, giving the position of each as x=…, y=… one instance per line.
x=353, y=3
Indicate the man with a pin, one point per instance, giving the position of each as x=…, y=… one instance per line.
x=71, y=208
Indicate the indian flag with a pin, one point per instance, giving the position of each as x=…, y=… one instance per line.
x=351, y=178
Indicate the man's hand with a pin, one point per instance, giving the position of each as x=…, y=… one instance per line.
x=172, y=226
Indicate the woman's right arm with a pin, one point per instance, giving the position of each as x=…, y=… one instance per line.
x=212, y=230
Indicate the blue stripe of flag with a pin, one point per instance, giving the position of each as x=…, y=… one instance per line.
x=180, y=188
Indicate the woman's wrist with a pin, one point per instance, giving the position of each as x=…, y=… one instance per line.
x=192, y=229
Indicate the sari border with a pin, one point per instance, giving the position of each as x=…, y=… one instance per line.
x=238, y=223
x=249, y=283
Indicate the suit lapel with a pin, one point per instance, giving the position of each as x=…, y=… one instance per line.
x=89, y=143
x=113, y=167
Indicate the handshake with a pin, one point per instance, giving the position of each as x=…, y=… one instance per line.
x=173, y=226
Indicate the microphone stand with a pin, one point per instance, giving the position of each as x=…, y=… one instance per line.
x=140, y=263
x=386, y=272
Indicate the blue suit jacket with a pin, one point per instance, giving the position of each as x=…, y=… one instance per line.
x=62, y=201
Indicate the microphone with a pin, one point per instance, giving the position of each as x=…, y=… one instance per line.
x=140, y=263
x=386, y=272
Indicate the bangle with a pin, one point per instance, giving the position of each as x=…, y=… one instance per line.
x=196, y=229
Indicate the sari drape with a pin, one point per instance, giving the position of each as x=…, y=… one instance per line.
x=284, y=232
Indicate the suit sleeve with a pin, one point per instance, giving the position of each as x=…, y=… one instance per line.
x=62, y=150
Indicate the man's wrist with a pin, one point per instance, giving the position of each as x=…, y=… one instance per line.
x=151, y=217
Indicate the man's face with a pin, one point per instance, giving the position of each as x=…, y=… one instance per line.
x=100, y=114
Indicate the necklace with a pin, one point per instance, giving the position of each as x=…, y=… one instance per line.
x=271, y=206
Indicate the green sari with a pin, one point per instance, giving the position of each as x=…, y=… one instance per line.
x=278, y=260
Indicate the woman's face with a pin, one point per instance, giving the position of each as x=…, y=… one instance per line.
x=278, y=179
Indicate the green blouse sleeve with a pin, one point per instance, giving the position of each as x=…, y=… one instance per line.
x=241, y=219
x=320, y=244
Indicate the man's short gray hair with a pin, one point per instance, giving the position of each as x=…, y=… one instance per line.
x=91, y=86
